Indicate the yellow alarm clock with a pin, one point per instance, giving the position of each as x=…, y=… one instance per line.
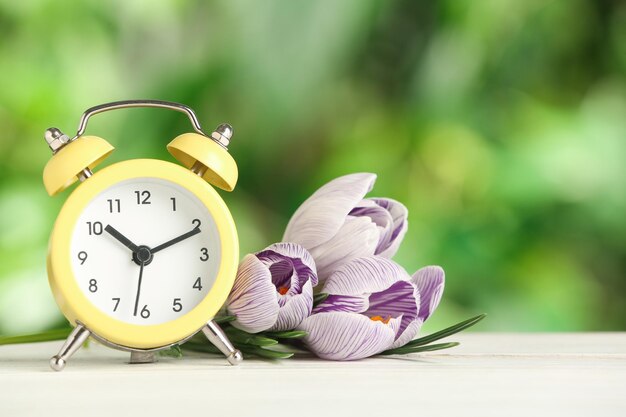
x=144, y=252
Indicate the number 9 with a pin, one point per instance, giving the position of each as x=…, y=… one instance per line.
x=82, y=256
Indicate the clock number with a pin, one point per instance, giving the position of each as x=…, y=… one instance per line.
x=177, y=306
x=145, y=313
x=196, y=223
x=143, y=197
x=198, y=284
x=82, y=256
x=205, y=254
x=95, y=228
x=114, y=205
x=117, y=303
x=173, y=203
x=93, y=285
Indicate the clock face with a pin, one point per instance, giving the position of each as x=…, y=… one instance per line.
x=145, y=251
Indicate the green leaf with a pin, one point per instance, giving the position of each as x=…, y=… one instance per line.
x=319, y=298
x=224, y=319
x=265, y=353
x=58, y=334
x=290, y=334
x=287, y=348
x=205, y=347
x=172, y=352
x=446, y=332
x=414, y=349
x=239, y=336
x=248, y=350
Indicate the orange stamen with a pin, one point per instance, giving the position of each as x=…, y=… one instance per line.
x=283, y=290
x=379, y=318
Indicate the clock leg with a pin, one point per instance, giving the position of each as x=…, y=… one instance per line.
x=142, y=357
x=72, y=344
x=216, y=335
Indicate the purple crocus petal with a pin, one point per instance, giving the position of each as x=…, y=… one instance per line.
x=430, y=282
x=283, y=275
x=356, y=238
x=321, y=216
x=399, y=214
x=343, y=336
x=253, y=299
x=294, y=310
x=364, y=276
x=290, y=265
x=394, y=324
x=295, y=251
x=379, y=216
x=401, y=297
x=347, y=303
x=291, y=268
x=408, y=334
x=399, y=300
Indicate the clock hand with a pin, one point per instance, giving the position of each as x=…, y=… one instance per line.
x=138, y=287
x=169, y=243
x=121, y=238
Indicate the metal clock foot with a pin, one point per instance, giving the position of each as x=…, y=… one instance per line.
x=142, y=357
x=216, y=335
x=72, y=344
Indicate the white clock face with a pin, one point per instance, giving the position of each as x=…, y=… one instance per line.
x=145, y=251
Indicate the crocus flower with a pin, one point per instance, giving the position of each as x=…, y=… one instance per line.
x=374, y=305
x=273, y=289
x=336, y=224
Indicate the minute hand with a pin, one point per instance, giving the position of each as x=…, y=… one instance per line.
x=169, y=243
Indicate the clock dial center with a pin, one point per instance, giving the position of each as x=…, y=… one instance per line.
x=143, y=255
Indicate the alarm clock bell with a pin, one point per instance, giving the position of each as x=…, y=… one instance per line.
x=72, y=159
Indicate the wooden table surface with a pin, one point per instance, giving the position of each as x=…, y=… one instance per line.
x=490, y=374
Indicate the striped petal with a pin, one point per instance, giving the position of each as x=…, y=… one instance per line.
x=344, y=336
x=380, y=217
x=395, y=323
x=295, y=309
x=321, y=216
x=399, y=214
x=399, y=300
x=294, y=251
x=430, y=282
x=408, y=334
x=347, y=303
x=356, y=238
x=365, y=276
x=253, y=299
x=300, y=259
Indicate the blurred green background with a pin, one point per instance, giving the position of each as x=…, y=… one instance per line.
x=501, y=124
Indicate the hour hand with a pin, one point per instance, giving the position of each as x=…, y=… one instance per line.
x=169, y=243
x=121, y=238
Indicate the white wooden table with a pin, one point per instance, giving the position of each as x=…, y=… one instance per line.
x=490, y=374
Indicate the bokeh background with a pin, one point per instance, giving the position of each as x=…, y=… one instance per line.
x=501, y=124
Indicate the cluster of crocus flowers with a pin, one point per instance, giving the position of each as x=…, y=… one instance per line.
x=338, y=243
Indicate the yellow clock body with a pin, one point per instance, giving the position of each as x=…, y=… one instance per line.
x=94, y=276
